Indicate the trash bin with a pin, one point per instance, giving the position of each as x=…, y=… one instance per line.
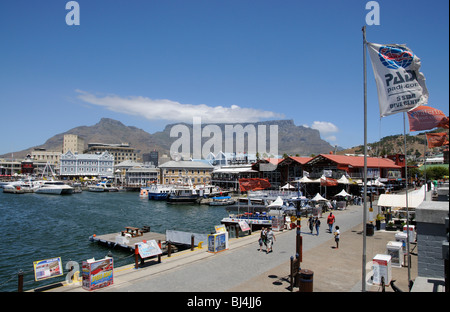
x=306, y=280
x=369, y=229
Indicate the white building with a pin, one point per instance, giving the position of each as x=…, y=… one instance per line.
x=86, y=165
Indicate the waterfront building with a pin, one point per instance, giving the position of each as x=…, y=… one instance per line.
x=151, y=158
x=73, y=143
x=334, y=166
x=177, y=171
x=90, y=165
x=136, y=174
x=121, y=151
x=227, y=177
x=41, y=155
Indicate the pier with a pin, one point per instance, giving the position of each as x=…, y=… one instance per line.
x=126, y=241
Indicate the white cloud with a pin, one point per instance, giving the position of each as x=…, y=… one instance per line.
x=324, y=127
x=157, y=109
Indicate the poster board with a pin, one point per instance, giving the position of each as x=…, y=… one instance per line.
x=148, y=249
x=97, y=274
x=48, y=268
x=244, y=226
x=217, y=242
x=220, y=228
x=381, y=266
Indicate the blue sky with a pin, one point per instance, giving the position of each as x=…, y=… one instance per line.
x=154, y=62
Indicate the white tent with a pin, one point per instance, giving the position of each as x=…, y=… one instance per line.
x=276, y=203
x=288, y=187
x=343, y=180
x=394, y=200
x=318, y=197
x=343, y=193
x=305, y=180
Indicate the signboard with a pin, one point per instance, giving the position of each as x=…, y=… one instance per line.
x=244, y=226
x=148, y=249
x=220, y=228
x=97, y=274
x=217, y=242
x=381, y=268
x=48, y=268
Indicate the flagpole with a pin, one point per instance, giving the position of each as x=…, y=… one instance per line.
x=407, y=210
x=365, y=165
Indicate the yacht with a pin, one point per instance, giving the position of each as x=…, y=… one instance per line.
x=54, y=187
x=103, y=187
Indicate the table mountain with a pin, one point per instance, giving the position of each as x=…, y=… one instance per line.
x=292, y=139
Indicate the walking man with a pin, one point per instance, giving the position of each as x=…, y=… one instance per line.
x=270, y=237
x=317, y=223
x=330, y=221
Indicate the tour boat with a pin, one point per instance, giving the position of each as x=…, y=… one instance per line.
x=54, y=187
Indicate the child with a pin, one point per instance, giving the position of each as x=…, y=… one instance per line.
x=337, y=233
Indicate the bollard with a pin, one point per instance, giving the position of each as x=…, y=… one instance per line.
x=159, y=256
x=136, y=256
x=20, y=281
x=169, y=249
x=192, y=242
x=306, y=280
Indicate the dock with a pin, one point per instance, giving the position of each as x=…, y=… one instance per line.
x=126, y=242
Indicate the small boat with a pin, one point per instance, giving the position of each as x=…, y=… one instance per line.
x=159, y=191
x=54, y=187
x=221, y=201
x=103, y=187
x=183, y=196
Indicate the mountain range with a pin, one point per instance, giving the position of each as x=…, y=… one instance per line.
x=292, y=139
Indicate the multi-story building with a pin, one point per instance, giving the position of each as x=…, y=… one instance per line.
x=121, y=151
x=90, y=165
x=41, y=155
x=73, y=143
x=199, y=172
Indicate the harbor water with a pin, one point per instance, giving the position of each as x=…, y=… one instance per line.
x=39, y=226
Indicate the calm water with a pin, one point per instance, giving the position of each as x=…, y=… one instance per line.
x=38, y=226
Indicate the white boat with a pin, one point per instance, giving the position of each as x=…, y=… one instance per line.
x=221, y=201
x=21, y=187
x=103, y=187
x=54, y=187
x=159, y=191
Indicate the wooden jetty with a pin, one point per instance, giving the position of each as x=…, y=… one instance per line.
x=127, y=240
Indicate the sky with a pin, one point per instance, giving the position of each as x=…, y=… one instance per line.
x=155, y=62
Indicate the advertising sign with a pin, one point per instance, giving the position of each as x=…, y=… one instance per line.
x=401, y=86
x=217, y=242
x=97, y=274
x=244, y=226
x=148, y=249
x=48, y=268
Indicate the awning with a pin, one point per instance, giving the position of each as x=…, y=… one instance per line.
x=394, y=200
x=343, y=193
x=318, y=197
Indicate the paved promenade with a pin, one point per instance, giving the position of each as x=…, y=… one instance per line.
x=243, y=268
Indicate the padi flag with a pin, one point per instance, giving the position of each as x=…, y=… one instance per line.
x=401, y=87
x=424, y=118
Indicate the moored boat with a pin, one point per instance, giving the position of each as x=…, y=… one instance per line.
x=103, y=186
x=54, y=187
x=221, y=201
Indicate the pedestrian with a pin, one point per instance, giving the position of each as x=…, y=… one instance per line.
x=337, y=235
x=317, y=224
x=270, y=237
x=262, y=238
x=311, y=223
x=330, y=221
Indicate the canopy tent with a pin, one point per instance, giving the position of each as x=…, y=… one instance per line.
x=343, y=180
x=307, y=180
x=343, y=193
x=276, y=203
x=318, y=197
x=288, y=187
x=394, y=200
